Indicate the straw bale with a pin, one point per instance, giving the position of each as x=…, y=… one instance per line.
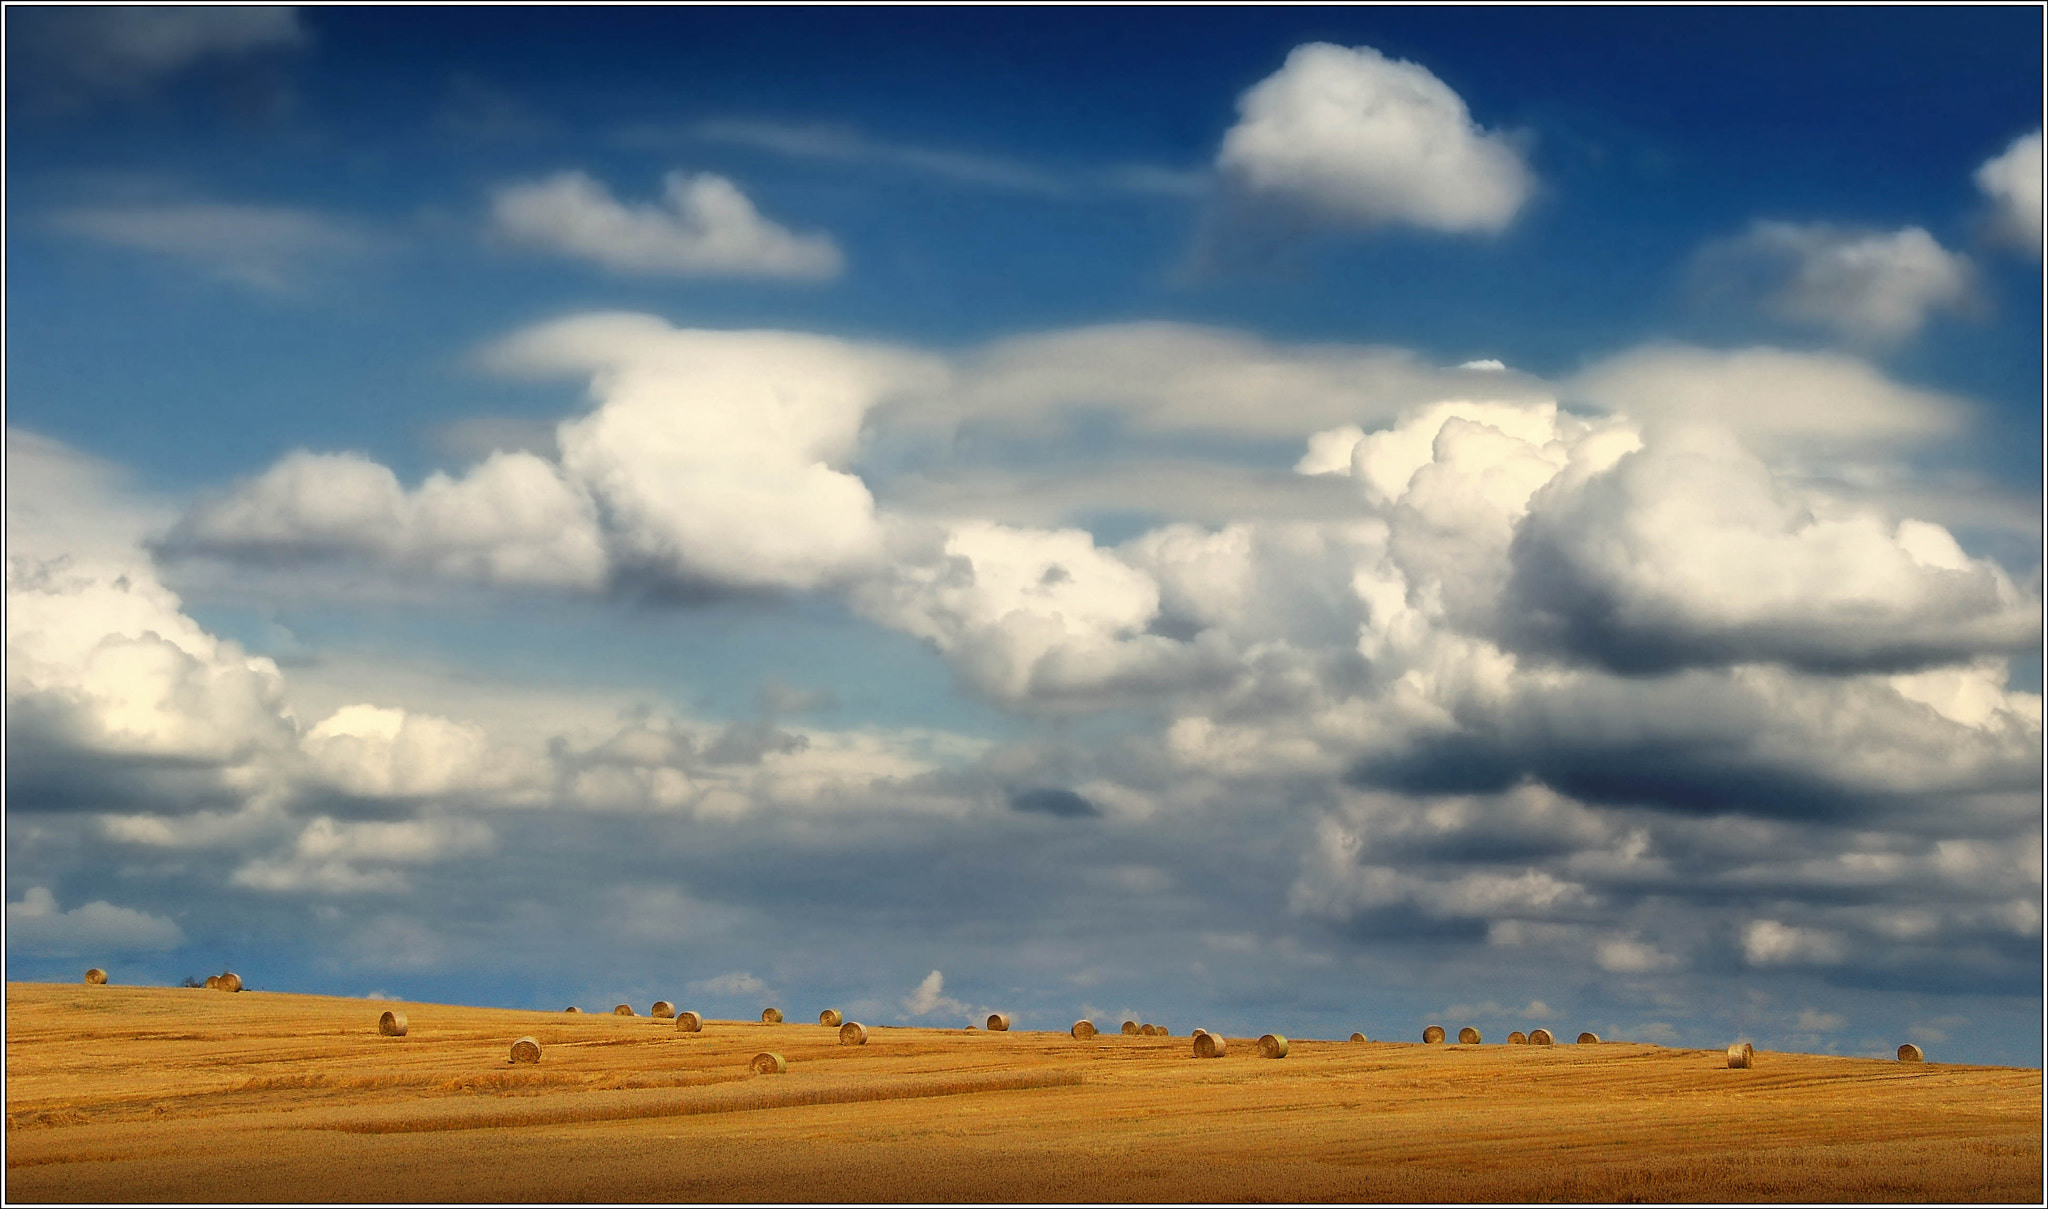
x=1540, y=1036
x=1433, y=1035
x=526, y=1050
x=230, y=981
x=662, y=1010
x=998, y=1023
x=852, y=1033
x=1360, y=1037
x=1208, y=1045
x=689, y=1022
x=1082, y=1030
x=572, y=1008
x=624, y=1009
x=771, y=1015
x=1148, y=1030
x=831, y=1018
x=96, y=977
x=1272, y=1045
x=213, y=982
x=391, y=1024
x=1911, y=1053
x=1130, y=1028
x=768, y=1064
x=1589, y=1038
x=1518, y=1038
x=1468, y=1036
x=1741, y=1056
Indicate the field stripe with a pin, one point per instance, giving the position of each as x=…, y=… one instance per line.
x=747, y=1096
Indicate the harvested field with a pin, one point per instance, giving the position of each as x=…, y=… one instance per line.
x=119, y=1093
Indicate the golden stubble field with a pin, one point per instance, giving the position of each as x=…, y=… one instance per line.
x=155, y=1094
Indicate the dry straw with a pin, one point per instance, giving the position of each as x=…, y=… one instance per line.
x=1082, y=1030
x=998, y=1023
x=1360, y=1037
x=1741, y=1056
x=662, y=1010
x=1468, y=1036
x=624, y=1009
x=1911, y=1053
x=1589, y=1038
x=1130, y=1028
x=689, y=1022
x=831, y=1018
x=230, y=981
x=391, y=1024
x=771, y=1015
x=526, y=1050
x=768, y=1064
x=852, y=1033
x=213, y=982
x=1433, y=1035
x=96, y=977
x=1272, y=1045
x=1518, y=1038
x=1208, y=1045
x=1541, y=1037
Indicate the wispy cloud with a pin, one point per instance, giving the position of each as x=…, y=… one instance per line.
x=76, y=53
x=827, y=143
x=268, y=248
x=844, y=145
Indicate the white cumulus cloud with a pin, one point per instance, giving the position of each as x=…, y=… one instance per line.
x=1766, y=942
x=2012, y=180
x=930, y=997
x=36, y=925
x=1874, y=286
x=1366, y=139
x=704, y=226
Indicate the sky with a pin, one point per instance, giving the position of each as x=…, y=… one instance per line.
x=1272, y=520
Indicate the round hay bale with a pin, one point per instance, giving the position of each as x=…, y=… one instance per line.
x=998, y=1023
x=771, y=1015
x=391, y=1024
x=1540, y=1037
x=1360, y=1037
x=1198, y=1032
x=1911, y=1053
x=230, y=981
x=1433, y=1035
x=1208, y=1045
x=573, y=1008
x=525, y=1050
x=624, y=1009
x=1130, y=1028
x=1083, y=1030
x=662, y=1010
x=1148, y=1030
x=1589, y=1039
x=1518, y=1038
x=768, y=1064
x=1468, y=1036
x=852, y=1033
x=1272, y=1045
x=1163, y=1031
x=1741, y=1056
x=96, y=977
x=689, y=1022
x=831, y=1018
x=213, y=982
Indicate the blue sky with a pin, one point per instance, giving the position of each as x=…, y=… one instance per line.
x=1314, y=519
